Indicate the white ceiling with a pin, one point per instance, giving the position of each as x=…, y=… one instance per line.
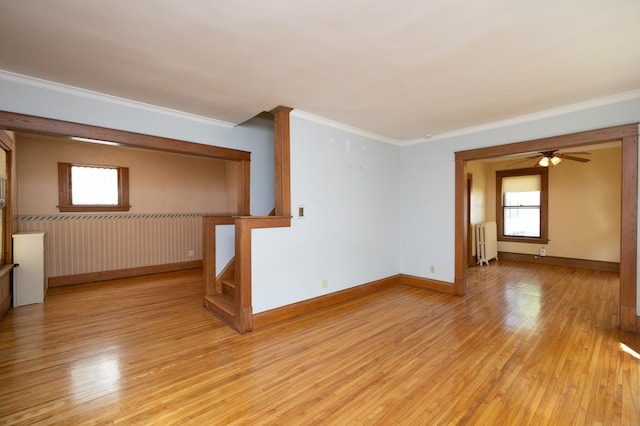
x=401, y=69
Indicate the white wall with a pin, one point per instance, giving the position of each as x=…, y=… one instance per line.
x=36, y=97
x=393, y=215
x=348, y=185
x=427, y=186
x=427, y=181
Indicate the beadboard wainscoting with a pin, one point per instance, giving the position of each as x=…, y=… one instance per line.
x=81, y=244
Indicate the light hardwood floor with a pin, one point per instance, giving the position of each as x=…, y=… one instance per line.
x=528, y=345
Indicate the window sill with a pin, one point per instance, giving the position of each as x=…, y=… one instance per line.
x=89, y=209
x=530, y=240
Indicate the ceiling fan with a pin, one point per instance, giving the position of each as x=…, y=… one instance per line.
x=553, y=158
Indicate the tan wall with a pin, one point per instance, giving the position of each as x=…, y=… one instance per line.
x=478, y=197
x=584, y=208
x=168, y=194
x=159, y=182
x=478, y=169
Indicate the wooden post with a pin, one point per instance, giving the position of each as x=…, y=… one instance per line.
x=281, y=135
x=629, y=229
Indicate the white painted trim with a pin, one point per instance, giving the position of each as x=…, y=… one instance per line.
x=593, y=103
x=76, y=91
x=340, y=126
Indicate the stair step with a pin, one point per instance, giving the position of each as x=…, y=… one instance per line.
x=224, y=302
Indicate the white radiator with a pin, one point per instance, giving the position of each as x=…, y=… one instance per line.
x=486, y=242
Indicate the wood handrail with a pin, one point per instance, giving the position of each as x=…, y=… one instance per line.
x=220, y=220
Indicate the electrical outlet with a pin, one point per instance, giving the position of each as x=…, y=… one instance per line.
x=325, y=283
x=432, y=269
x=191, y=253
x=543, y=251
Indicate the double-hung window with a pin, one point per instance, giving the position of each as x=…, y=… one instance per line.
x=522, y=205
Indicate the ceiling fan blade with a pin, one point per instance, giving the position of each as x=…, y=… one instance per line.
x=576, y=152
x=571, y=157
x=524, y=161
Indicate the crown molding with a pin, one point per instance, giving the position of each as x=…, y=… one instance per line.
x=101, y=97
x=341, y=126
x=581, y=106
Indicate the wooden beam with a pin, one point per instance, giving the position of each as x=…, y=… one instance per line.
x=281, y=135
x=244, y=188
x=460, y=218
x=551, y=143
x=32, y=124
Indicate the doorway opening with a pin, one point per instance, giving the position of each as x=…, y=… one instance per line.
x=628, y=135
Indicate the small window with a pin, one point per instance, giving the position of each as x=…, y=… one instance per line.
x=521, y=205
x=85, y=188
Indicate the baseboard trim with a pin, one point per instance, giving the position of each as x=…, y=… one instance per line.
x=561, y=261
x=93, y=277
x=435, y=285
x=306, y=306
x=272, y=316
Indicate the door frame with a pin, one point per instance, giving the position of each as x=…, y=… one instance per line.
x=628, y=135
x=470, y=260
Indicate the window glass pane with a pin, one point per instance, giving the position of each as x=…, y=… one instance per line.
x=521, y=201
x=94, y=186
x=530, y=198
x=522, y=222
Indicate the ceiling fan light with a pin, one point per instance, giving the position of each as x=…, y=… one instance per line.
x=555, y=160
x=544, y=162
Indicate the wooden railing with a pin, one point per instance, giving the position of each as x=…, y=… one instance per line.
x=235, y=308
x=230, y=299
